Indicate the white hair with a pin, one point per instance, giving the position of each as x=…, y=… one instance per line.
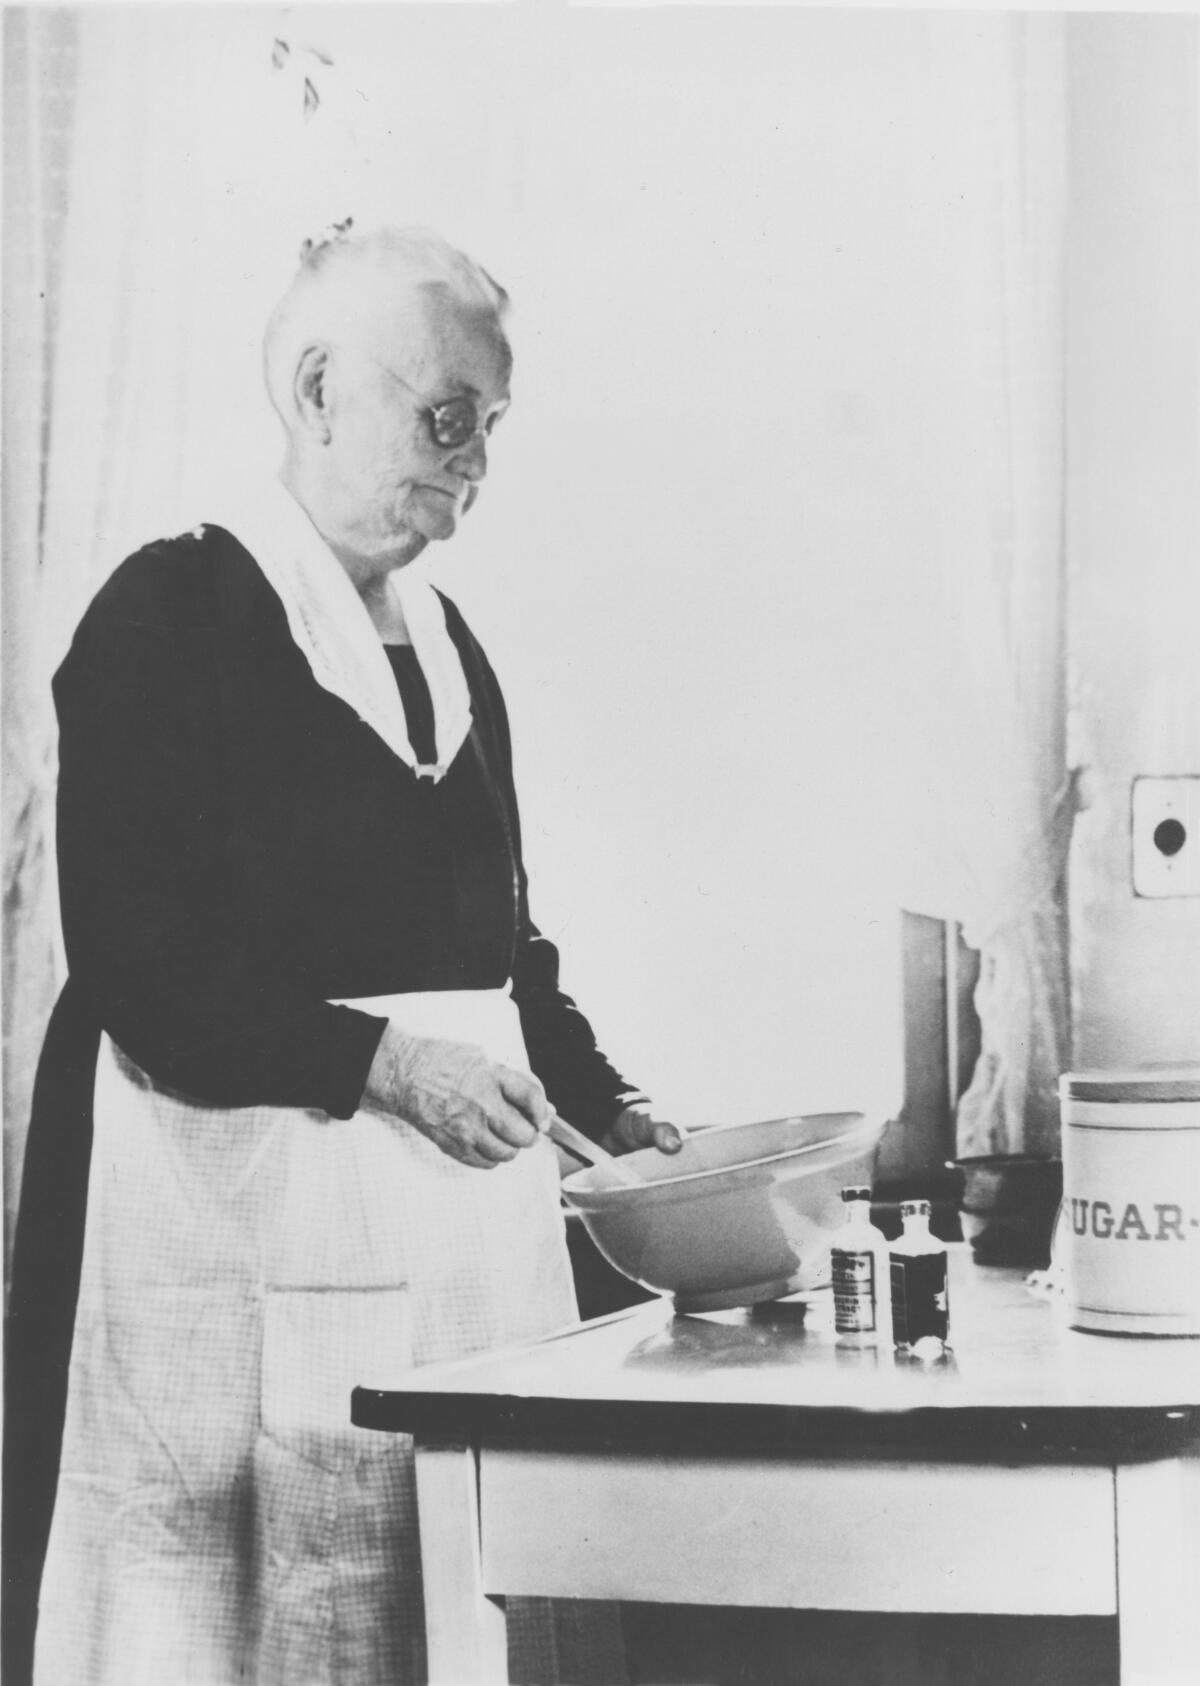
x=359, y=286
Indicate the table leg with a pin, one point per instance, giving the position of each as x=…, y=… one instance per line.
x=466, y=1631
x=1158, y=1572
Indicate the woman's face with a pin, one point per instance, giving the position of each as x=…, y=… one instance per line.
x=401, y=488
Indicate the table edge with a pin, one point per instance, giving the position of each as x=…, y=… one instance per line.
x=1108, y=1432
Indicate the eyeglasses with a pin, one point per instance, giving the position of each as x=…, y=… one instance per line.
x=453, y=423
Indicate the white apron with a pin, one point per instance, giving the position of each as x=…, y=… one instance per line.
x=219, y=1521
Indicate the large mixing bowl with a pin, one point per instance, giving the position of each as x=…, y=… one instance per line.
x=743, y=1213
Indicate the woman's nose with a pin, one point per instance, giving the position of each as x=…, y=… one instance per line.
x=470, y=460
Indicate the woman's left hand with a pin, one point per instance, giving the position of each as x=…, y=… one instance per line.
x=638, y=1127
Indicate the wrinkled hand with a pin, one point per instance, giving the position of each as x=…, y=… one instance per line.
x=637, y=1127
x=476, y=1111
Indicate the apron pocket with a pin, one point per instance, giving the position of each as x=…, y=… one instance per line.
x=319, y=1344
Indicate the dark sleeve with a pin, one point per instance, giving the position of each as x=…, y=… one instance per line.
x=151, y=935
x=580, y=1082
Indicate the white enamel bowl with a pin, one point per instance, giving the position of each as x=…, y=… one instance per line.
x=743, y=1213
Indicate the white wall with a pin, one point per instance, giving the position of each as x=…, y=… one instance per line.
x=1133, y=514
x=754, y=384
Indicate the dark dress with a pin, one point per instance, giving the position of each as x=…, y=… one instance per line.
x=236, y=849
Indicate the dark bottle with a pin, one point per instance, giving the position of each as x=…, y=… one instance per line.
x=920, y=1286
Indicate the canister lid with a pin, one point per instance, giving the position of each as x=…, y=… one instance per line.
x=1135, y=1083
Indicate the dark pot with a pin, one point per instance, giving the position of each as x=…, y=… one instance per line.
x=1007, y=1206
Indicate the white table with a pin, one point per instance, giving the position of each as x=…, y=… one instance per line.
x=1038, y=1470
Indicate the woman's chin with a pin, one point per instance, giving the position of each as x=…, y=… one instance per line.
x=396, y=549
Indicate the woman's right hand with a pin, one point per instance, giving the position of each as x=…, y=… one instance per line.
x=478, y=1112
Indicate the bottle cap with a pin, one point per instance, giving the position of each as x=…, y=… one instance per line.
x=857, y=1191
x=915, y=1208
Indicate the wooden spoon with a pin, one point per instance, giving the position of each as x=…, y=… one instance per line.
x=583, y=1147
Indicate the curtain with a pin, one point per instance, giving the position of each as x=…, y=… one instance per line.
x=998, y=803
x=40, y=62
x=1016, y=916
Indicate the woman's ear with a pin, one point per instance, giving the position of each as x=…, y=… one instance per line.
x=311, y=391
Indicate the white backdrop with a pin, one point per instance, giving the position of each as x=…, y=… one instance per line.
x=774, y=520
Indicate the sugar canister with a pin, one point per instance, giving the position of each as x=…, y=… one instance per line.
x=1129, y=1235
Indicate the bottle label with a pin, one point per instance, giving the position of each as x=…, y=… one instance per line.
x=920, y=1298
x=854, y=1298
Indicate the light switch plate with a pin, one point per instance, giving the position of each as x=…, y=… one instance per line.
x=1165, y=836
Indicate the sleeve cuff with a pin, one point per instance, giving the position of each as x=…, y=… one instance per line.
x=359, y=1035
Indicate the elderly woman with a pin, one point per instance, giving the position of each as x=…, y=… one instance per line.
x=313, y=1011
